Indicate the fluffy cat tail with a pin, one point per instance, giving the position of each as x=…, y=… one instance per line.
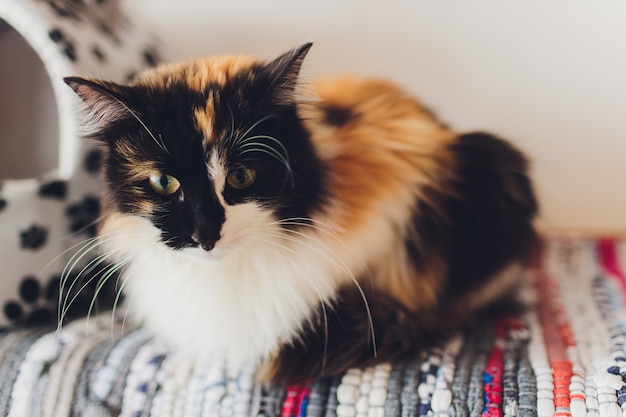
x=340, y=337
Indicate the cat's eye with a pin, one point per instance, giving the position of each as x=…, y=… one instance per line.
x=241, y=178
x=164, y=184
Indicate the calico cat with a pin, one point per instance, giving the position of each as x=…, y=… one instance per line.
x=305, y=231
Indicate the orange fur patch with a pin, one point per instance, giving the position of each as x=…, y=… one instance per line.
x=198, y=74
x=385, y=153
x=388, y=150
x=205, y=117
x=137, y=170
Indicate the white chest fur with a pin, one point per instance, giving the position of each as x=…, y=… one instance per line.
x=237, y=308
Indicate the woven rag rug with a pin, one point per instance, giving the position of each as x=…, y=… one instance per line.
x=565, y=357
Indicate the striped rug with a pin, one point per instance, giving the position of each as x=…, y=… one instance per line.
x=564, y=358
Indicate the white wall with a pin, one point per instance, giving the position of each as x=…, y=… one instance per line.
x=551, y=76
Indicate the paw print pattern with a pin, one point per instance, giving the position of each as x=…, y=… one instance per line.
x=151, y=57
x=66, y=45
x=93, y=161
x=36, y=305
x=93, y=37
x=83, y=215
x=96, y=51
x=34, y=237
x=54, y=189
x=80, y=10
x=67, y=8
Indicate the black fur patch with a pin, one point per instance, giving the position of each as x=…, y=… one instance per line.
x=337, y=116
x=344, y=340
x=486, y=223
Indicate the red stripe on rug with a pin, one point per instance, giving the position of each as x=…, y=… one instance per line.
x=291, y=405
x=609, y=261
x=494, y=371
x=558, y=336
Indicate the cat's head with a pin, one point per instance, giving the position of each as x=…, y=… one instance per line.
x=208, y=151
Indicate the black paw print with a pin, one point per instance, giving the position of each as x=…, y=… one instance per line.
x=69, y=9
x=93, y=161
x=34, y=237
x=39, y=304
x=36, y=305
x=83, y=215
x=66, y=45
x=3, y=202
x=151, y=56
x=54, y=189
x=96, y=51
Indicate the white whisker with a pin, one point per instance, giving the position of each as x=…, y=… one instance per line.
x=243, y=136
x=115, y=303
x=111, y=270
x=130, y=299
x=92, y=245
x=159, y=141
x=268, y=150
x=65, y=252
x=249, y=140
x=71, y=265
x=342, y=266
x=328, y=230
x=312, y=284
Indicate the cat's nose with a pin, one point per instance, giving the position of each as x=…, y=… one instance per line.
x=207, y=246
x=205, y=242
x=208, y=218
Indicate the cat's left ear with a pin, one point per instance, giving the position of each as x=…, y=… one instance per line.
x=107, y=102
x=284, y=71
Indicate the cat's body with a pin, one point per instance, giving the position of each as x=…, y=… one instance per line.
x=260, y=226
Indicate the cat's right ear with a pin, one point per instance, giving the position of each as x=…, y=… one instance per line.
x=106, y=103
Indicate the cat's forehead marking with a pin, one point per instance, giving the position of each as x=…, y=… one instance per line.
x=209, y=75
x=205, y=118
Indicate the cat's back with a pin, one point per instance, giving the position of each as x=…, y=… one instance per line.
x=354, y=104
x=461, y=205
x=379, y=145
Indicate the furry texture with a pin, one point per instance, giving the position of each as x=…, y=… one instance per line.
x=259, y=226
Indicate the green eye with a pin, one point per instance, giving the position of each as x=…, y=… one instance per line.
x=241, y=178
x=164, y=184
